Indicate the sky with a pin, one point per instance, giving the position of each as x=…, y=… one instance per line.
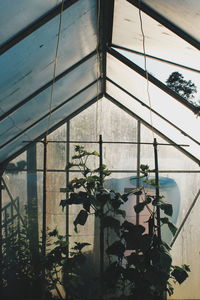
x=163, y=70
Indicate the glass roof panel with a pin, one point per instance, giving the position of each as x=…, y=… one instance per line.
x=30, y=64
x=63, y=89
x=184, y=14
x=153, y=120
x=159, y=41
x=169, y=157
x=50, y=121
x=162, y=71
x=163, y=103
x=13, y=19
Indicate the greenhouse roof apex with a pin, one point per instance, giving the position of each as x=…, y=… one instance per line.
x=58, y=57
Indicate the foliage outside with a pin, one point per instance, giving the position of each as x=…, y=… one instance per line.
x=185, y=88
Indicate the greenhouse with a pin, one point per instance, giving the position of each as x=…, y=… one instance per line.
x=99, y=150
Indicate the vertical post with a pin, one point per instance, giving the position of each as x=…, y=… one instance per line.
x=138, y=167
x=164, y=296
x=67, y=182
x=1, y=236
x=44, y=210
x=157, y=188
x=101, y=220
x=32, y=201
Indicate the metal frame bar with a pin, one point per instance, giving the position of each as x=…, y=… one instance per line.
x=120, y=105
x=151, y=78
x=35, y=25
x=48, y=84
x=113, y=171
x=110, y=142
x=105, y=12
x=165, y=22
x=1, y=232
x=79, y=110
x=154, y=57
x=154, y=111
x=101, y=233
x=138, y=167
x=185, y=218
x=14, y=204
x=49, y=113
x=44, y=210
x=67, y=182
x=44, y=203
x=155, y=146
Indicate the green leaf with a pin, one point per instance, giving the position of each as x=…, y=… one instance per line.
x=80, y=246
x=186, y=268
x=150, y=181
x=144, y=168
x=172, y=228
x=125, y=197
x=106, y=172
x=164, y=220
x=63, y=203
x=148, y=200
x=53, y=233
x=74, y=198
x=111, y=222
x=165, y=261
x=81, y=218
x=137, y=191
x=121, y=212
x=117, y=248
x=139, y=207
x=95, y=153
x=179, y=274
x=167, y=208
x=86, y=205
x=116, y=203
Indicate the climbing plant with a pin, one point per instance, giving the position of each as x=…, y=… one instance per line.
x=139, y=261
x=142, y=265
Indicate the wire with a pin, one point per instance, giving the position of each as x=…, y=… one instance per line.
x=145, y=65
x=54, y=69
x=98, y=69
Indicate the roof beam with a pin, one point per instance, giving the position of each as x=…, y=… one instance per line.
x=165, y=22
x=49, y=113
x=152, y=79
x=154, y=111
x=155, y=58
x=131, y=113
x=48, y=84
x=35, y=25
x=72, y=115
x=105, y=10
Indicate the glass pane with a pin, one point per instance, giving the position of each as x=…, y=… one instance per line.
x=185, y=250
x=184, y=14
x=169, y=157
x=162, y=71
x=20, y=14
x=170, y=109
x=48, y=122
x=159, y=41
x=62, y=90
x=29, y=65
